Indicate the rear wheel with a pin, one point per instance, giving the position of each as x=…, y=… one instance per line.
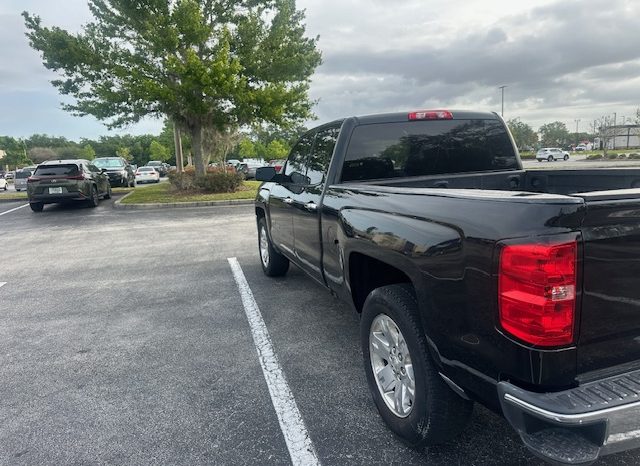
x=93, y=201
x=407, y=389
x=273, y=263
x=36, y=206
x=108, y=194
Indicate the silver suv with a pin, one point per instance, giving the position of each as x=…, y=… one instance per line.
x=20, y=181
x=551, y=153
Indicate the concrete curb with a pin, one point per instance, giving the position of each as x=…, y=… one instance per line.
x=170, y=205
x=13, y=200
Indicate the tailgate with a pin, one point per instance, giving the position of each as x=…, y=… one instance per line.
x=609, y=338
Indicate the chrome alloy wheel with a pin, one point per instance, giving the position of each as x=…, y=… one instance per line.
x=391, y=365
x=264, y=246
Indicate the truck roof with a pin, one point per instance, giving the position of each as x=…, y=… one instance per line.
x=403, y=116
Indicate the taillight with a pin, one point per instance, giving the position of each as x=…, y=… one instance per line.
x=31, y=179
x=431, y=115
x=76, y=177
x=537, y=292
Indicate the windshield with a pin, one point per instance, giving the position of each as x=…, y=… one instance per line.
x=108, y=163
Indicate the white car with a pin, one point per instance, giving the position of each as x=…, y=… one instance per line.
x=147, y=175
x=3, y=183
x=551, y=153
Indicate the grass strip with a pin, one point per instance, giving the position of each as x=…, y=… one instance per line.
x=164, y=193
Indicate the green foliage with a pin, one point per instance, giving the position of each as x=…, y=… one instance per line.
x=88, y=152
x=594, y=157
x=554, y=134
x=215, y=180
x=634, y=156
x=209, y=65
x=158, y=152
x=124, y=152
x=247, y=149
x=16, y=152
x=522, y=133
x=277, y=149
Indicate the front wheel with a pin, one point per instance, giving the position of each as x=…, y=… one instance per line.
x=407, y=389
x=566, y=157
x=108, y=194
x=273, y=263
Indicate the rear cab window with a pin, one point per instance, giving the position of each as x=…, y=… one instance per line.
x=423, y=148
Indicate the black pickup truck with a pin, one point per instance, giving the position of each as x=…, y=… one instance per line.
x=476, y=280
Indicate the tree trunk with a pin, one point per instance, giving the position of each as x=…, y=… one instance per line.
x=177, y=141
x=196, y=147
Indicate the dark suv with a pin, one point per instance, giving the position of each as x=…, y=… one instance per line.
x=58, y=181
x=119, y=170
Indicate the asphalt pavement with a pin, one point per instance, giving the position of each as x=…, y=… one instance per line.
x=124, y=339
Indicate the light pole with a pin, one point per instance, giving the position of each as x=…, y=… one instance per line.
x=502, y=90
x=577, y=120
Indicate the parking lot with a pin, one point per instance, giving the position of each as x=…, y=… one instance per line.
x=124, y=339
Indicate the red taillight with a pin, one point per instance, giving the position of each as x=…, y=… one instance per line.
x=537, y=292
x=76, y=177
x=31, y=179
x=431, y=115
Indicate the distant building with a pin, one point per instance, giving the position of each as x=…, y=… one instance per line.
x=624, y=137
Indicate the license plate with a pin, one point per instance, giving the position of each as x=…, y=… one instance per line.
x=55, y=190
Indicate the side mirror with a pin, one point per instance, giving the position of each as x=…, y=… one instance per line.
x=265, y=173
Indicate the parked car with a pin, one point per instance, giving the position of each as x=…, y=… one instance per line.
x=147, y=175
x=59, y=181
x=277, y=164
x=3, y=183
x=581, y=147
x=248, y=168
x=118, y=169
x=233, y=162
x=9, y=175
x=551, y=153
x=159, y=166
x=476, y=280
x=20, y=181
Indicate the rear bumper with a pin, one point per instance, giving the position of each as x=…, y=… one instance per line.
x=55, y=198
x=578, y=425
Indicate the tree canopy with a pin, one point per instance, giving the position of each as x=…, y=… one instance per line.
x=522, y=133
x=211, y=66
x=554, y=134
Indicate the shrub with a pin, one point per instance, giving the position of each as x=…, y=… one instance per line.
x=612, y=156
x=216, y=180
x=634, y=156
x=219, y=182
x=594, y=157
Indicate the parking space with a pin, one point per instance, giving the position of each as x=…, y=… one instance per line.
x=125, y=340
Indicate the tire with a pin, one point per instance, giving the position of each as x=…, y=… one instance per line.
x=17, y=190
x=550, y=158
x=36, y=206
x=273, y=263
x=566, y=157
x=435, y=414
x=93, y=201
x=157, y=181
x=108, y=194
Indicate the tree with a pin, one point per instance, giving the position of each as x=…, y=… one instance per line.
x=554, y=134
x=603, y=128
x=523, y=134
x=247, y=149
x=158, y=152
x=277, y=149
x=88, y=152
x=212, y=66
x=42, y=154
x=124, y=152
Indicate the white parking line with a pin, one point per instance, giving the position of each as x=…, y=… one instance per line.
x=11, y=210
x=297, y=438
x=2, y=284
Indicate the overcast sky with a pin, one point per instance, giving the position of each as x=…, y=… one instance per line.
x=560, y=60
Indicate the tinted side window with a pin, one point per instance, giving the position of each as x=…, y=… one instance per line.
x=296, y=169
x=320, y=157
x=387, y=150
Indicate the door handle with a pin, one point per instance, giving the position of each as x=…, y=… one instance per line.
x=311, y=206
x=287, y=200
